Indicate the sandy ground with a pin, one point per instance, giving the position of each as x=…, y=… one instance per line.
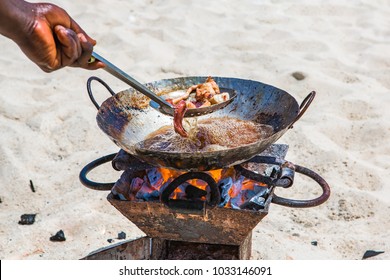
x=48, y=130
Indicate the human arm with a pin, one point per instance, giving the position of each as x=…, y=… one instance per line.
x=47, y=35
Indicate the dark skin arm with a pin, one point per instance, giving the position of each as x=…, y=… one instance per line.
x=47, y=35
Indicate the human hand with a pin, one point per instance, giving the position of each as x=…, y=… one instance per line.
x=53, y=40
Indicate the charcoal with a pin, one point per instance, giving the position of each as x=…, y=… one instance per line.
x=256, y=202
x=155, y=177
x=121, y=186
x=236, y=199
x=148, y=196
x=261, y=191
x=27, y=219
x=224, y=186
x=125, y=186
x=58, y=237
x=32, y=186
x=371, y=253
x=136, y=185
x=121, y=235
x=247, y=194
x=164, y=186
x=147, y=192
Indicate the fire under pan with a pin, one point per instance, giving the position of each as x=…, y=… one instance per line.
x=185, y=229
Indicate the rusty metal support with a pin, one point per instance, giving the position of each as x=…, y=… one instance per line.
x=215, y=196
x=146, y=248
x=306, y=203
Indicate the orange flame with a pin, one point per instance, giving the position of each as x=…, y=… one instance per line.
x=239, y=186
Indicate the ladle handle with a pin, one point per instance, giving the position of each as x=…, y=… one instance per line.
x=121, y=75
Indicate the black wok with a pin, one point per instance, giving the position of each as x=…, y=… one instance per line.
x=128, y=123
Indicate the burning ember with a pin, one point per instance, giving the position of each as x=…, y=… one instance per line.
x=236, y=191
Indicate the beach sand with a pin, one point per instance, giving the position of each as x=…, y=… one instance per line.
x=48, y=130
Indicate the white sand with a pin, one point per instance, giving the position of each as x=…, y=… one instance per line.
x=48, y=130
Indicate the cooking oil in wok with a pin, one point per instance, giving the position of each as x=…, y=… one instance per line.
x=207, y=135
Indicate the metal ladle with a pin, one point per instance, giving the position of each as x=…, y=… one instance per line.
x=158, y=102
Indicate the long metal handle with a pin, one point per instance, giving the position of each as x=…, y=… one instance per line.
x=121, y=75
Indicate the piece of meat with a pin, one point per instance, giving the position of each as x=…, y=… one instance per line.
x=206, y=94
x=178, y=116
x=206, y=90
x=219, y=98
x=213, y=84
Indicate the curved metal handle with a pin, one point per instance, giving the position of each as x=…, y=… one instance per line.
x=303, y=107
x=124, y=77
x=215, y=196
x=305, y=203
x=285, y=179
x=94, y=185
x=89, y=89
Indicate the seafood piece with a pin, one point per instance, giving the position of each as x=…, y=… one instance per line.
x=178, y=117
x=219, y=98
x=205, y=95
x=201, y=93
x=206, y=90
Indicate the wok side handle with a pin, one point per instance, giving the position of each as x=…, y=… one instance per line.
x=89, y=89
x=305, y=203
x=92, y=165
x=303, y=107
